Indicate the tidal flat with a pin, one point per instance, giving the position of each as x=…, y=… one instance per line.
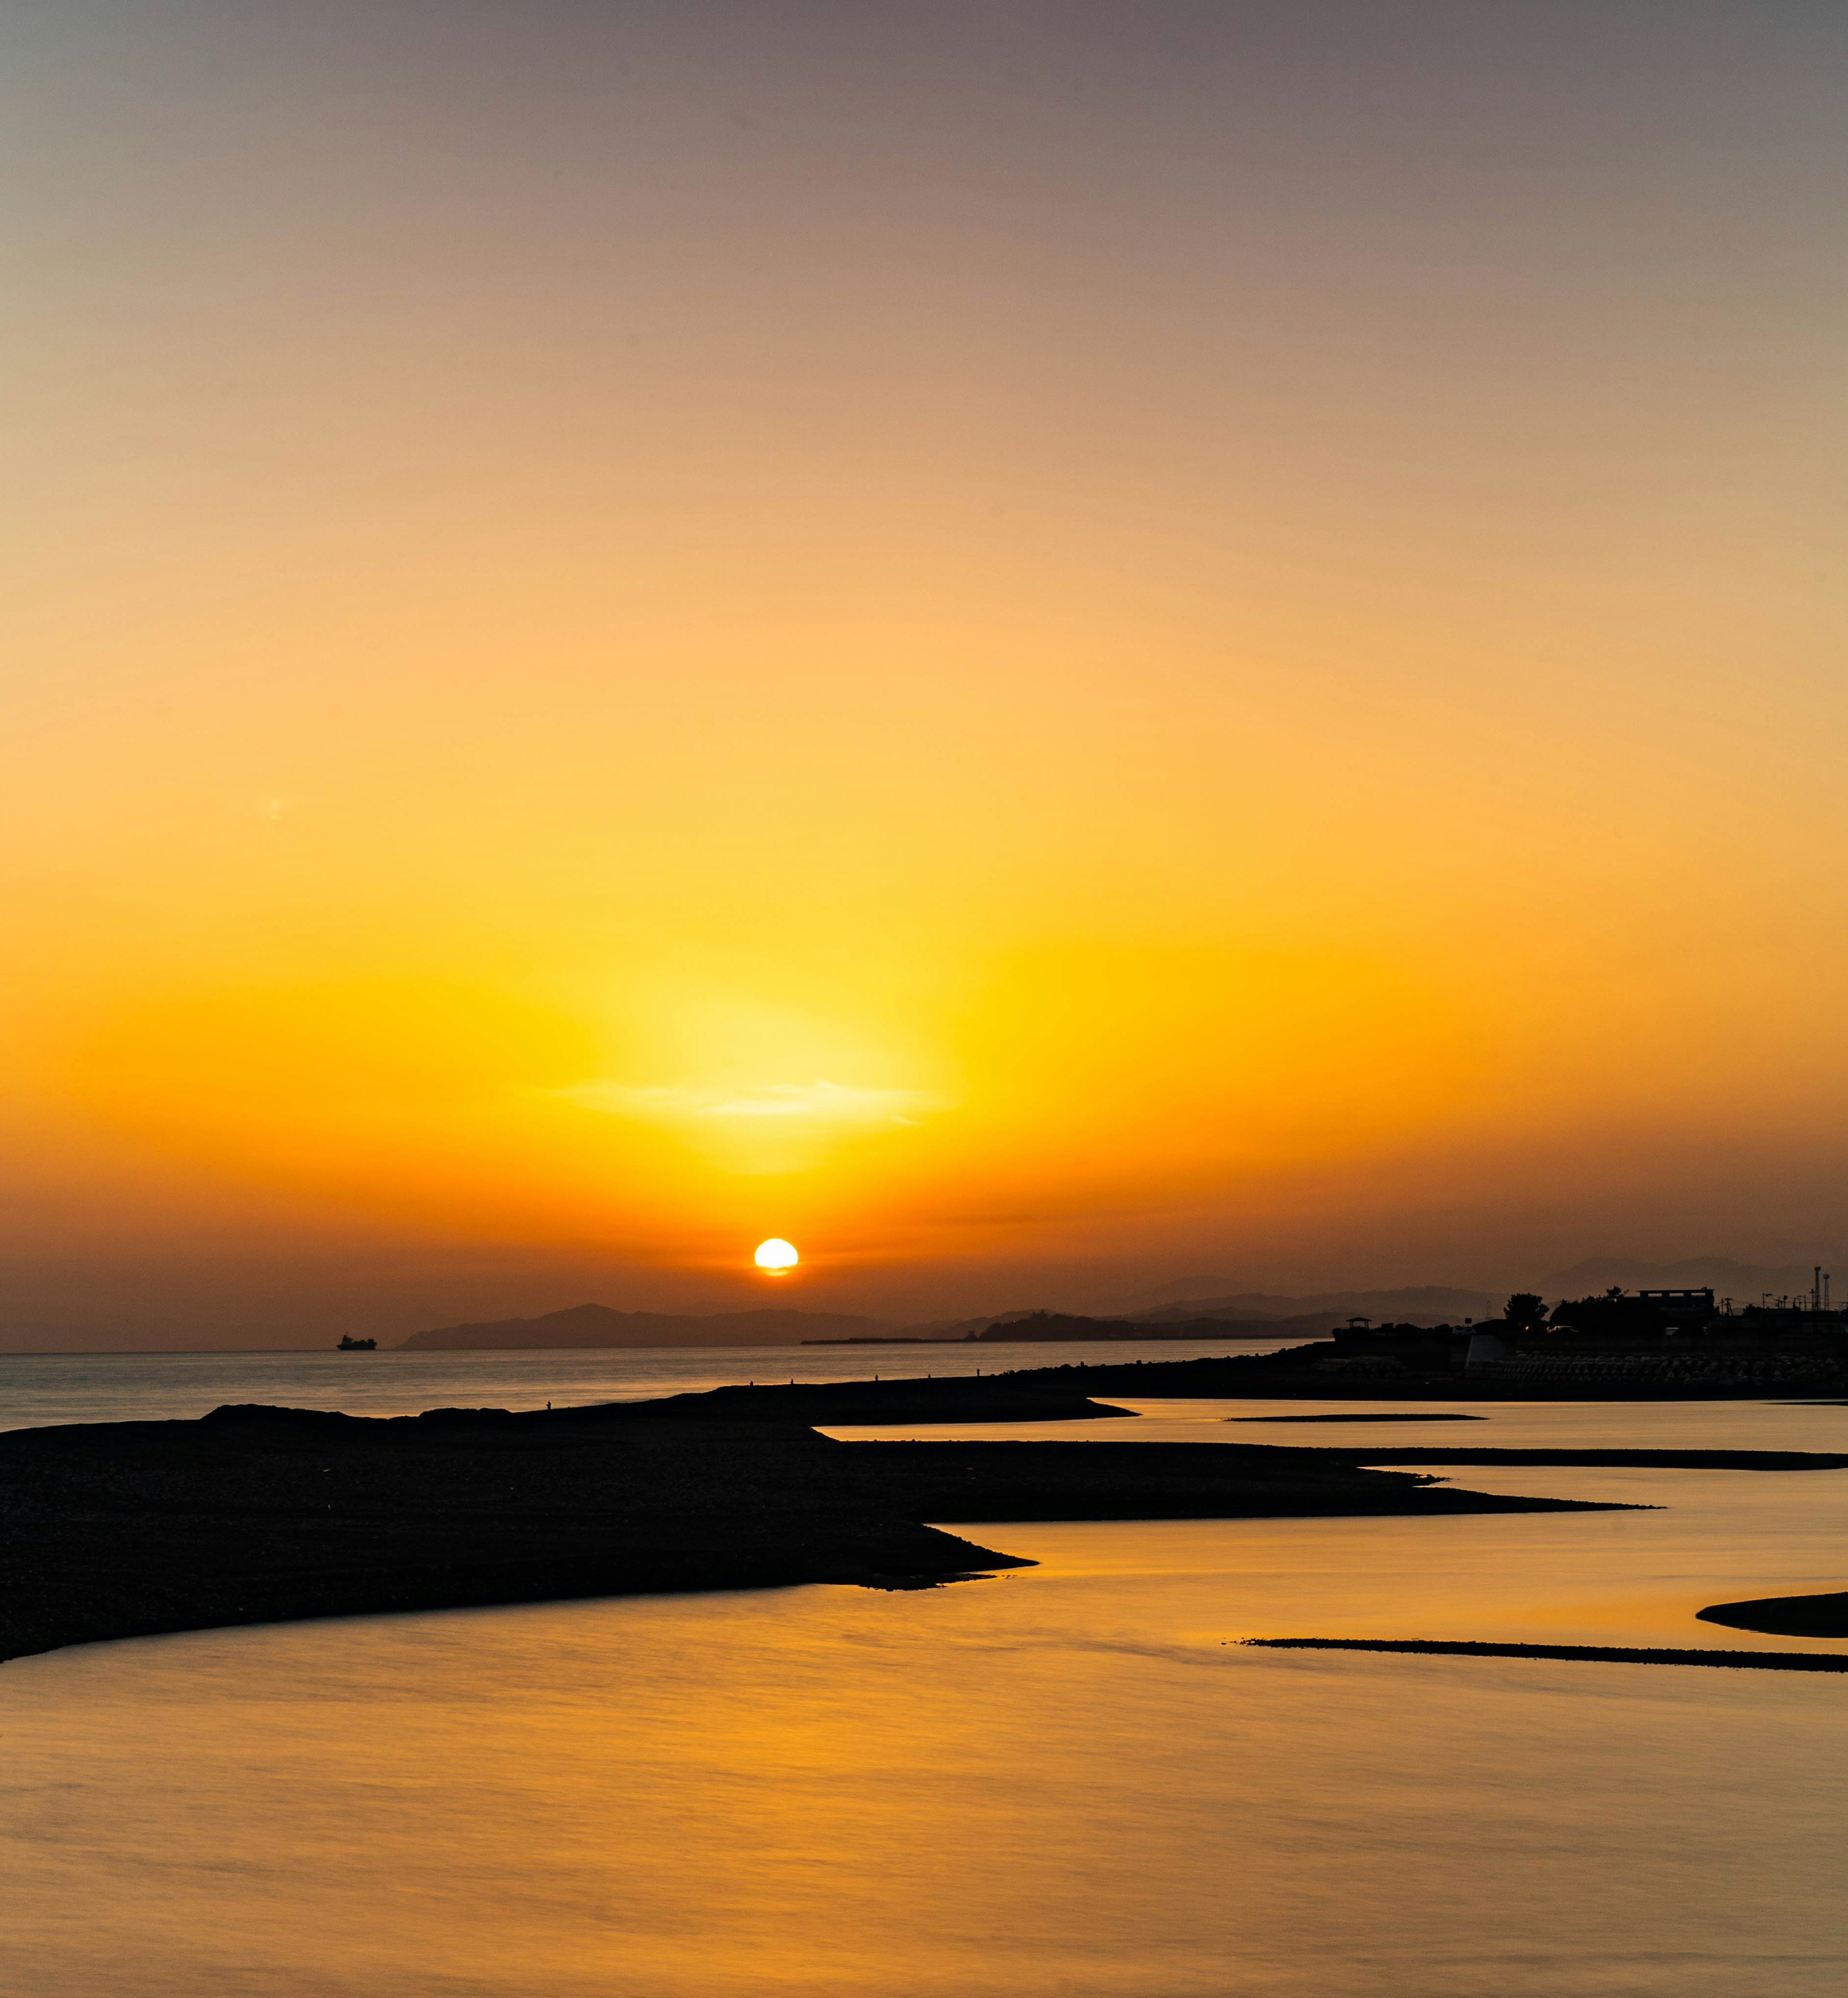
x=260, y=1514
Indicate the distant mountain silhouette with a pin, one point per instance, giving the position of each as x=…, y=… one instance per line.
x=1435, y=1301
x=1254, y=1313
x=598, y=1324
x=1746, y=1282
x=1169, y=1293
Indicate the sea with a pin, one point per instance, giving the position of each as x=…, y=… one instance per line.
x=40, y=1388
x=1066, y=1781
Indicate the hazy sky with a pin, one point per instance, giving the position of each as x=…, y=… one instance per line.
x=1123, y=637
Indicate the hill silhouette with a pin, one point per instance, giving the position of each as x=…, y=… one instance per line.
x=1436, y=1303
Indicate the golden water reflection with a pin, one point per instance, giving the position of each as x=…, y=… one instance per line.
x=1060, y=1781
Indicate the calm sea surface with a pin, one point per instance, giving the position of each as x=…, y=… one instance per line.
x=39, y=1387
x=1062, y=1782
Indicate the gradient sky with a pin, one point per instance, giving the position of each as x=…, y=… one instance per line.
x=1010, y=641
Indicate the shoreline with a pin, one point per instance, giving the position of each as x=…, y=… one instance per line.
x=1287, y=1375
x=257, y=1514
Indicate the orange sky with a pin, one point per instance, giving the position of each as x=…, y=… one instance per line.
x=1025, y=642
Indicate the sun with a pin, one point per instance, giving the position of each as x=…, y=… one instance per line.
x=776, y=1255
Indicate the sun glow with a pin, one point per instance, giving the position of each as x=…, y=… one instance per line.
x=776, y=1255
x=1067, y=776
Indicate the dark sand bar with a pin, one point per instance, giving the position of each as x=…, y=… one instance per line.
x=952, y=1397
x=255, y=1515
x=1366, y=1416
x=1598, y=1654
x=1785, y=1615
x=259, y=1515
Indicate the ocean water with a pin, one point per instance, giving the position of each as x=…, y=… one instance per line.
x=41, y=1387
x=1064, y=1782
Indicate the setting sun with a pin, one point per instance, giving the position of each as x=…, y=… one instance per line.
x=776, y=1255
